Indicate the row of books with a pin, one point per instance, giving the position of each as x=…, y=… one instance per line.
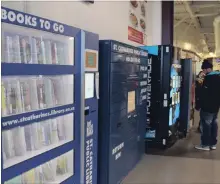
x=33, y=93
x=176, y=81
x=20, y=141
x=175, y=98
x=34, y=50
x=47, y=172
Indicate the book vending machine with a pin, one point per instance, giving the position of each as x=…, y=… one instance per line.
x=43, y=100
x=163, y=98
x=122, y=109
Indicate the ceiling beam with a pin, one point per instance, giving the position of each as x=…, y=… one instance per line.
x=208, y=33
x=207, y=30
x=206, y=14
x=198, y=6
x=202, y=6
x=195, y=20
x=197, y=14
x=180, y=21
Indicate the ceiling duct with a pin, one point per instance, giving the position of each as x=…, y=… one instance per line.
x=217, y=35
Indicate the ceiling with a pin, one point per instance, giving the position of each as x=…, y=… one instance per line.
x=194, y=21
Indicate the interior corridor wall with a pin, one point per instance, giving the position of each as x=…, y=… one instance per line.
x=107, y=18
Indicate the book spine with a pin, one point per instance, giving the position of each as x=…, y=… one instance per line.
x=19, y=141
x=48, y=52
x=9, y=97
x=34, y=51
x=9, y=55
x=54, y=132
x=60, y=54
x=43, y=52
x=68, y=126
x=36, y=134
x=48, y=170
x=18, y=98
x=33, y=93
x=60, y=128
x=16, y=48
x=3, y=101
x=70, y=162
x=47, y=132
x=29, y=132
x=23, y=46
x=58, y=88
x=41, y=93
x=54, y=54
x=29, y=176
x=8, y=144
x=48, y=92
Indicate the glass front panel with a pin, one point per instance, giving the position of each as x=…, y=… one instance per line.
x=29, y=46
x=29, y=93
x=56, y=171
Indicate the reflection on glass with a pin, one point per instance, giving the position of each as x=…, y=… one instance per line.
x=28, y=46
x=22, y=143
x=54, y=171
x=25, y=94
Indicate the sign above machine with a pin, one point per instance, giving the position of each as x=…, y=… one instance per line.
x=128, y=50
x=23, y=19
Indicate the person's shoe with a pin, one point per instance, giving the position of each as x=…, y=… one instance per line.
x=213, y=147
x=201, y=147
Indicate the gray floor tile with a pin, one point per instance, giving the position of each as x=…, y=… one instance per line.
x=174, y=170
x=180, y=164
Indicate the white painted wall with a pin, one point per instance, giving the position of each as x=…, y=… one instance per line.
x=154, y=22
x=108, y=18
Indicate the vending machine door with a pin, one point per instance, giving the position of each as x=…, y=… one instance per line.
x=185, y=101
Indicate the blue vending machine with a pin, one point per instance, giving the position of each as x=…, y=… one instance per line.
x=163, y=107
x=122, y=109
x=43, y=102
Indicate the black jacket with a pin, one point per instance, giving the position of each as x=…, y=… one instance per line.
x=198, y=90
x=210, y=93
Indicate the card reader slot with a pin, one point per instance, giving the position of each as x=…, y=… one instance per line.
x=86, y=112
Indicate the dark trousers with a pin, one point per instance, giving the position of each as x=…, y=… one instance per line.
x=209, y=127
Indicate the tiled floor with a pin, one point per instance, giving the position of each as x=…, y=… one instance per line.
x=181, y=164
x=185, y=147
x=155, y=169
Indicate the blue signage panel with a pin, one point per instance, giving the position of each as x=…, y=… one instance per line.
x=31, y=21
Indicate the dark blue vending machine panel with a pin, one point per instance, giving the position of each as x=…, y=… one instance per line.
x=186, y=93
x=91, y=88
x=43, y=101
x=122, y=109
x=163, y=107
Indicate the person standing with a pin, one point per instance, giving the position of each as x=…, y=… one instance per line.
x=210, y=104
x=199, y=82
